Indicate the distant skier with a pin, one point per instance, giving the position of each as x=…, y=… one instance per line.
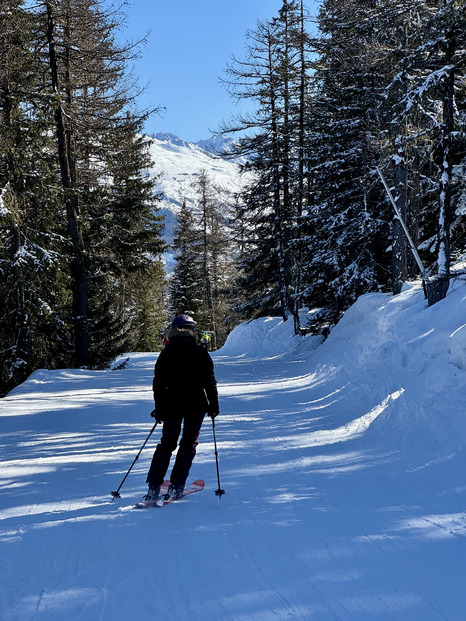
x=185, y=389
x=205, y=341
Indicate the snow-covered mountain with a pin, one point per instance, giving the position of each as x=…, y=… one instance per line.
x=180, y=163
x=218, y=145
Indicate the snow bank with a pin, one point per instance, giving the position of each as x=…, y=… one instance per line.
x=458, y=348
x=398, y=343
x=389, y=350
x=135, y=360
x=267, y=337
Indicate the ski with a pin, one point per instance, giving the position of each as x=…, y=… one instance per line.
x=153, y=503
x=196, y=486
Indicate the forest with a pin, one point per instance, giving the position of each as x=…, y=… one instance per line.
x=365, y=90
x=374, y=88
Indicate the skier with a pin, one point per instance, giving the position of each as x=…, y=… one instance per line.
x=205, y=341
x=185, y=389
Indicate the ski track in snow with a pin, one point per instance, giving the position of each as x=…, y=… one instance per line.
x=343, y=466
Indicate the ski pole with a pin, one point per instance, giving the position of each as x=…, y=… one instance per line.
x=116, y=494
x=218, y=492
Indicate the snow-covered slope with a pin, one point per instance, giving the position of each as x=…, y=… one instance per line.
x=180, y=162
x=343, y=464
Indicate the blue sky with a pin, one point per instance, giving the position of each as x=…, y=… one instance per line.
x=189, y=45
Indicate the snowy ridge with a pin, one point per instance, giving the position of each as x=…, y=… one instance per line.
x=180, y=163
x=343, y=464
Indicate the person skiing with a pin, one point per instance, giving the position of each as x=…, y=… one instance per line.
x=185, y=389
x=205, y=341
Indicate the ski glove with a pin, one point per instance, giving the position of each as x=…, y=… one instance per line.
x=213, y=410
x=155, y=414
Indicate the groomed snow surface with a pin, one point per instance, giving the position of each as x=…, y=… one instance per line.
x=343, y=464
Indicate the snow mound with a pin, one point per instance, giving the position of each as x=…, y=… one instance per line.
x=458, y=348
x=135, y=360
x=392, y=355
x=266, y=338
x=399, y=345
x=271, y=335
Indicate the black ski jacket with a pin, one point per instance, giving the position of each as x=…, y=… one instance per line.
x=184, y=379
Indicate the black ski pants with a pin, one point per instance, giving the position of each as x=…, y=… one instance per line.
x=186, y=451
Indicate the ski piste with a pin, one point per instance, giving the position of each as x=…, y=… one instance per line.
x=195, y=486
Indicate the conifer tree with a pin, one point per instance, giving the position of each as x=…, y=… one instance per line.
x=387, y=78
x=124, y=240
x=274, y=75
x=186, y=282
x=344, y=224
x=202, y=281
x=151, y=304
x=442, y=76
x=80, y=233
x=422, y=106
x=32, y=327
x=108, y=198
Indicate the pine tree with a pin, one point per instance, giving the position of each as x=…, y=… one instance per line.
x=186, y=283
x=274, y=75
x=445, y=64
x=33, y=323
x=423, y=108
x=107, y=194
x=387, y=78
x=391, y=58
x=124, y=240
x=150, y=293
x=80, y=233
x=344, y=224
x=202, y=281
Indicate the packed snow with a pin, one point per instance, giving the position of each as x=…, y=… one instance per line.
x=343, y=464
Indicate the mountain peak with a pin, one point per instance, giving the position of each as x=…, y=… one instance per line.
x=217, y=144
x=171, y=139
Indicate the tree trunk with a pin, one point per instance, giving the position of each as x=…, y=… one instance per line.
x=399, y=245
x=276, y=190
x=439, y=287
x=78, y=263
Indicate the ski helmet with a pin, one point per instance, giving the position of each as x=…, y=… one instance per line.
x=184, y=321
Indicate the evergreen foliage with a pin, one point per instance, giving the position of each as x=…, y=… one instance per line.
x=80, y=272
x=273, y=74
x=201, y=284
x=33, y=326
x=80, y=238
x=186, y=282
x=377, y=79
